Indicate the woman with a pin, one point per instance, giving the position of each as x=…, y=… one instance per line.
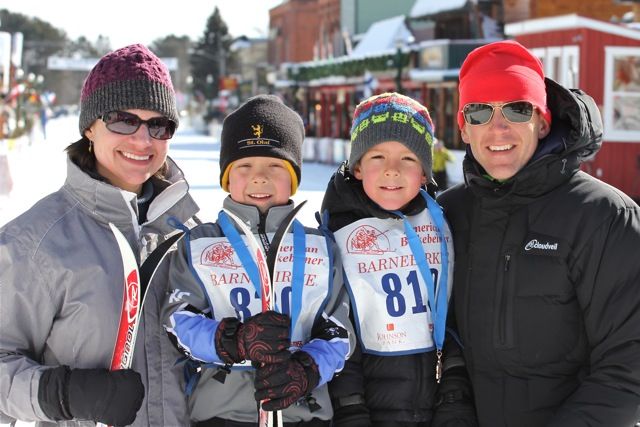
x=61, y=269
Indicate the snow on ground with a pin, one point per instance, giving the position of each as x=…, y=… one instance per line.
x=40, y=168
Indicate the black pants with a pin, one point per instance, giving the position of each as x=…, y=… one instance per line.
x=219, y=422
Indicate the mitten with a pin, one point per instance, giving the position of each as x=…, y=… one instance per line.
x=109, y=397
x=263, y=338
x=283, y=384
x=454, y=402
x=350, y=411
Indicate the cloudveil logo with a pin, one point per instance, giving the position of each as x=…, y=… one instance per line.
x=534, y=244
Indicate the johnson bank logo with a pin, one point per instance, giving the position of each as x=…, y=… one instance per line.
x=219, y=255
x=534, y=244
x=367, y=240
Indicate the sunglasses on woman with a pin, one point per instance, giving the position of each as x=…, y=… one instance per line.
x=477, y=113
x=124, y=123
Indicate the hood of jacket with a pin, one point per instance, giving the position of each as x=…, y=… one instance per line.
x=575, y=136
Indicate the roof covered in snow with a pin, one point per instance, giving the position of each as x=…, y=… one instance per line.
x=383, y=36
x=432, y=7
x=564, y=22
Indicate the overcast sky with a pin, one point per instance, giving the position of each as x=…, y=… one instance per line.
x=142, y=21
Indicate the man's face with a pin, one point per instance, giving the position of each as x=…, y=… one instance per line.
x=503, y=147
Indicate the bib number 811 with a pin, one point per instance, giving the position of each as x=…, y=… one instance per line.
x=392, y=286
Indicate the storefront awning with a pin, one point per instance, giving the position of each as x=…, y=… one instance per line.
x=422, y=75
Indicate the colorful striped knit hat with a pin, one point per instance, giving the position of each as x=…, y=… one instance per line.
x=392, y=117
x=128, y=78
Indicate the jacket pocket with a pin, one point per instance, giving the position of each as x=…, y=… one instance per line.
x=548, y=319
x=503, y=322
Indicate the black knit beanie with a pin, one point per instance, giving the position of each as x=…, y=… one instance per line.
x=131, y=77
x=392, y=117
x=262, y=127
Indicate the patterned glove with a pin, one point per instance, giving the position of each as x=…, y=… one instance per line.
x=263, y=338
x=285, y=383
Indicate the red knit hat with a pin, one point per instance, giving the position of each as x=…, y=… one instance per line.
x=500, y=72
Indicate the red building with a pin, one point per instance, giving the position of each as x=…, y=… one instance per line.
x=603, y=59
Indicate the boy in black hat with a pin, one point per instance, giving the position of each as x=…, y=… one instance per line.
x=283, y=356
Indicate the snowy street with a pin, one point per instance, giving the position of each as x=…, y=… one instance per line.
x=40, y=169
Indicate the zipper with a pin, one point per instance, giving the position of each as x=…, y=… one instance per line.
x=504, y=305
x=262, y=232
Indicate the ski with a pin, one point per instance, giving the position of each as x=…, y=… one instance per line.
x=136, y=282
x=266, y=267
x=122, y=356
x=125, y=341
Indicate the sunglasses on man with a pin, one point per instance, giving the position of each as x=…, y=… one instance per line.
x=124, y=123
x=478, y=113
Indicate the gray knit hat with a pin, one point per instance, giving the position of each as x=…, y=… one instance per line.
x=128, y=78
x=392, y=117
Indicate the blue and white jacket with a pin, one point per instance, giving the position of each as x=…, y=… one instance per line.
x=209, y=282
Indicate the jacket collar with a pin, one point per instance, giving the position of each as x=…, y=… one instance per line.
x=111, y=204
x=252, y=216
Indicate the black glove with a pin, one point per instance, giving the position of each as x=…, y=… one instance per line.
x=285, y=383
x=350, y=411
x=263, y=338
x=109, y=397
x=454, y=402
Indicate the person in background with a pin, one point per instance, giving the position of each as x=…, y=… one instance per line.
x=61, y=270
x=441, y=156
x=398, y=262
x=546, y=280
x=284, y=356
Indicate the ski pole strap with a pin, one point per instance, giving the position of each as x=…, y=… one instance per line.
x=240, y=247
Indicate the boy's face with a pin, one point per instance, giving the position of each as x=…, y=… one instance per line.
x=391, y=175
x=260, y=181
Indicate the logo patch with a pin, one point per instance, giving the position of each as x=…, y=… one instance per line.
x=544, y=246
x=258, y=130
x=368, y=240
x=219, y=255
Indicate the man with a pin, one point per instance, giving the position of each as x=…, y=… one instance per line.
x=547, y=278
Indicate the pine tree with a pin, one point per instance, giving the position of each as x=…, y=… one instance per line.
x=209, y=57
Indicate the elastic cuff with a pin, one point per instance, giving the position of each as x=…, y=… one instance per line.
x=227, y=341
x=53, y=393
x=351, y=400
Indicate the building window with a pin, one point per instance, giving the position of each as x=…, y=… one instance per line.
x=622, y=94
x=561, y=63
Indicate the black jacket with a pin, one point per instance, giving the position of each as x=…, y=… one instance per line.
x=547, y=283
x=388, y=388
